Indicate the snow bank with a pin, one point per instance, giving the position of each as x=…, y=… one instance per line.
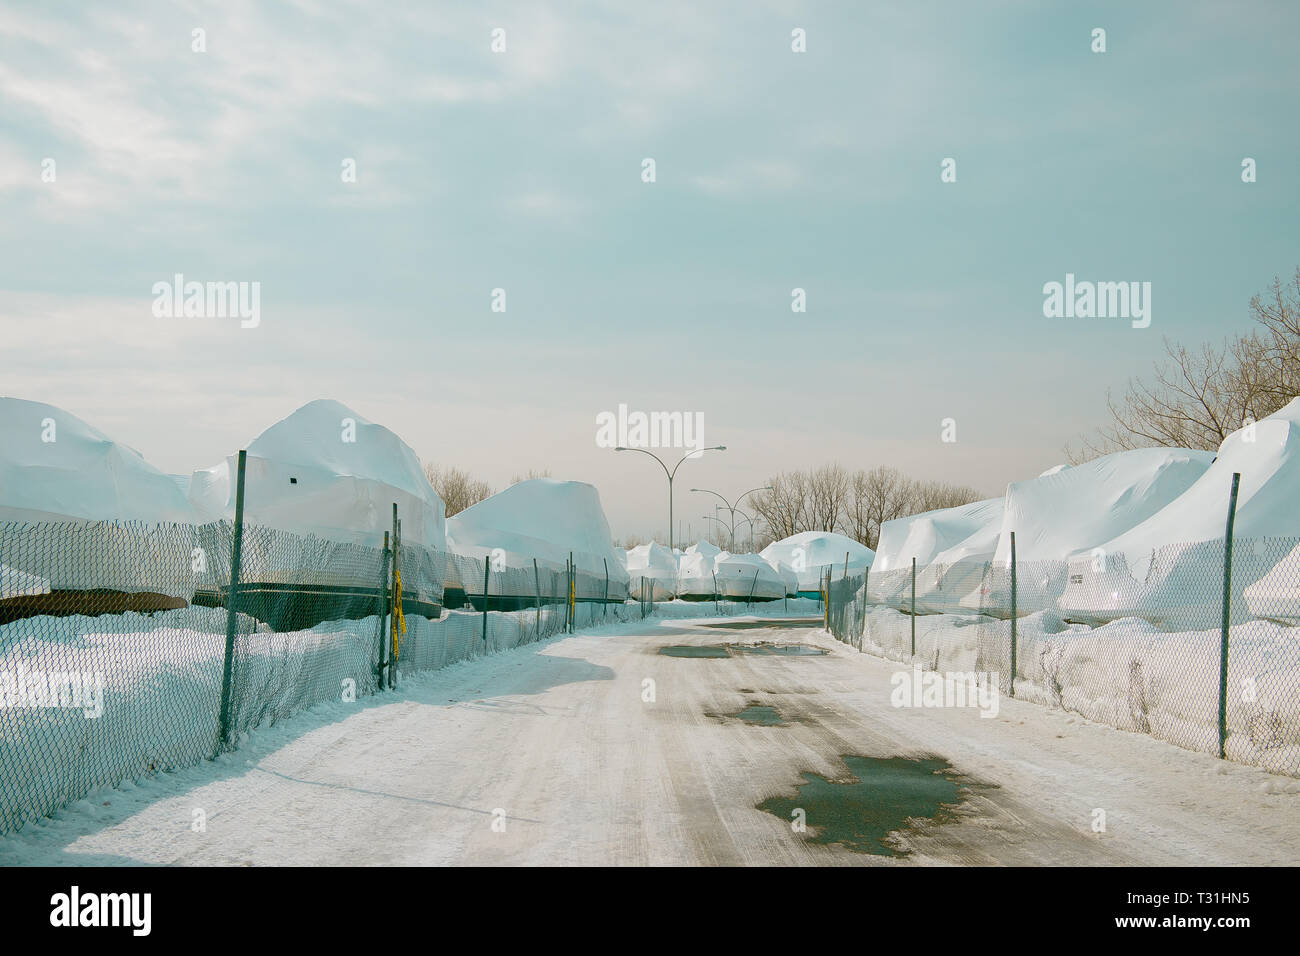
x=1126, y=674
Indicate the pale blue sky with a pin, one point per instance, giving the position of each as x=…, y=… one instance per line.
x=522, y=170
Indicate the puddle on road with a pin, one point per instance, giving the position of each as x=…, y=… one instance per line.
x=859, y=814
x=760, y=715
x=774, y=622
x=695, y=650
x=728, y=650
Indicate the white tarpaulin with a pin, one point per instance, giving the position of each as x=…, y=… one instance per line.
x=742, y=576
x=952, y=548
x=55, y=467
x=1068, y=510
x=657, y=565
x=695, y=568
x=546, y=519
x=326, y=470
x=808, y=554
x=1169, y=568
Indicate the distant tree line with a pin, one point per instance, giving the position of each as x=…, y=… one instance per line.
x=458, y=489
x=854, y=503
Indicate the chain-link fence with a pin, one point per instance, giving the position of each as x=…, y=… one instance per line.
x=124, y=649
x=1193, y=643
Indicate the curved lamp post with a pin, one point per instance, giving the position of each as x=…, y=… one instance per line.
x=732, y=508
x=671, y=474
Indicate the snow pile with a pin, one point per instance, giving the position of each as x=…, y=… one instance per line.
x=1169, y=568
x=546, y=519
x=1126, y=674
x=1071, y=510
x=327, y=471
x=809, y=554
x=56, y=468
x=657, y=565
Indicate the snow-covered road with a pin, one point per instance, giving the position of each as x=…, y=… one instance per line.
x=559, y=738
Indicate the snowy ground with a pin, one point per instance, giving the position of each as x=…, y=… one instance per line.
x=557, y=735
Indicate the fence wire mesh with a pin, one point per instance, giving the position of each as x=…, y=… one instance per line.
x=114, y=637
x=1145, y=644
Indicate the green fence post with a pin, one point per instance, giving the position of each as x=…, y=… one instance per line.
x=1227, y=611
x=604, y=610
x=232, y=601
x=384, y=593
x=1012, y=691
x=913, y=605
x=487, y=569
x=537, y=580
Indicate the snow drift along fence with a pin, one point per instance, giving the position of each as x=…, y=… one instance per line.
x=124, y=649
x=1148, y=645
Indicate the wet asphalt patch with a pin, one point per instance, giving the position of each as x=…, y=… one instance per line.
x=883, y=795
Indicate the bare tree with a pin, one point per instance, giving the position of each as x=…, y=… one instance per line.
x=933, y=495
x=1197, y=397
x=784, y=508
x=457, y=489
x=828, y=494
x=878, y=495
x=532, y=473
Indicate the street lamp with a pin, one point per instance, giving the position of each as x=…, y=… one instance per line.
x=731, y=508
x=671, y=474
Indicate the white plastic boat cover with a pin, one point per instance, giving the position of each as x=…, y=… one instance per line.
x=328, y=471
x=742, y=576
x=108, y=518
x=56, y=467
x=1169, y=568
x=952, y=547
x=808, y=554
x=542, y=518
x=695, y=568
x=1068, y=510
x=656, y=564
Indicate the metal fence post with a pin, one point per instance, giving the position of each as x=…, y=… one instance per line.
x=381, y=654
x=604, y=610
x=752, y=584
x=716, y=608
x=1227, y=614
x=537, y=581
x=573, y=593
x=487, y=569
x=232, y=602
x=914, y=605
x=396, y=601
x=1012, y=690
